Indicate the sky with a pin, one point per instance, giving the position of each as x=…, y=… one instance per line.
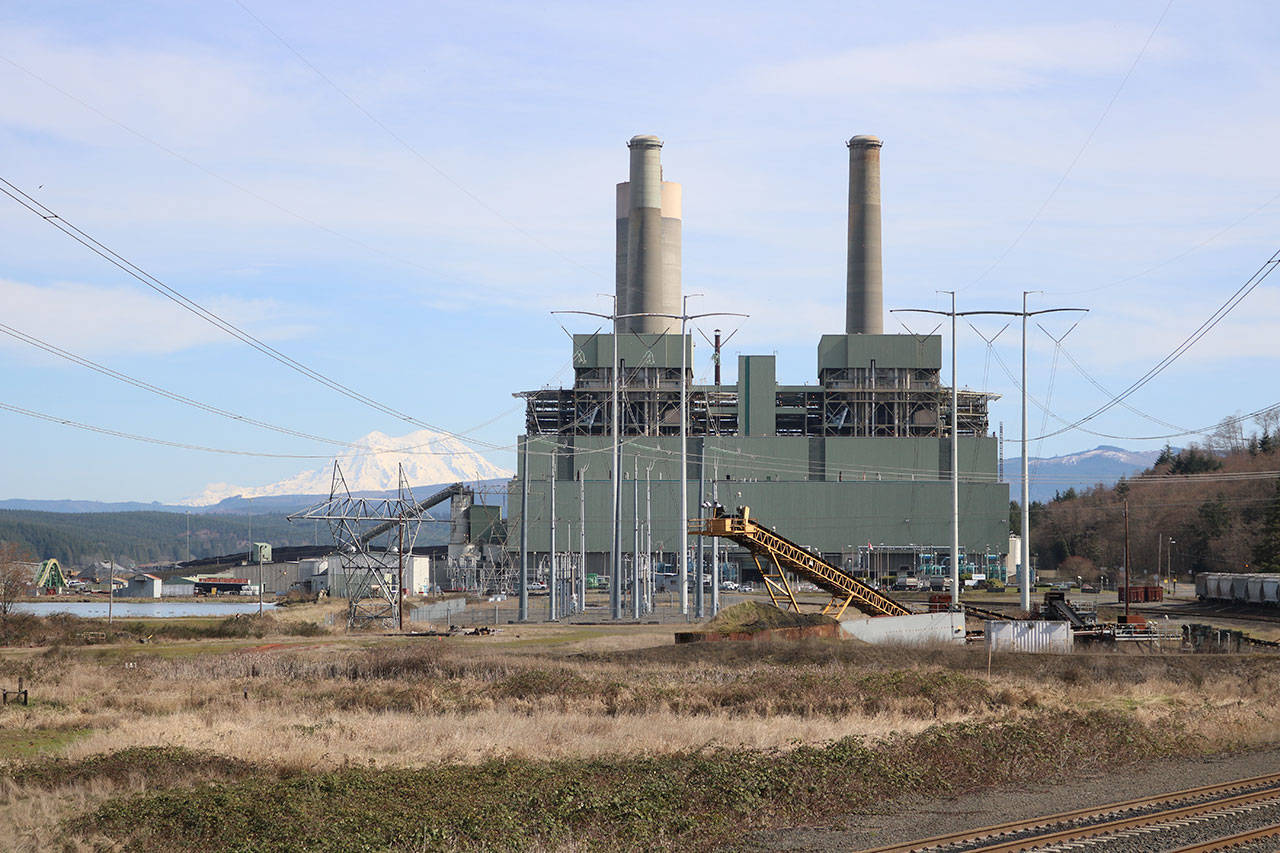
x=397, y=195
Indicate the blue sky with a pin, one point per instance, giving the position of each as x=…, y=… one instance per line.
x=424, y=277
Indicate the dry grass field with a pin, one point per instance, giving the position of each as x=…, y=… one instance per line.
x=558, y=737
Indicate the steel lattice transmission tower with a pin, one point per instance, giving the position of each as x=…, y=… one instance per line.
x=371, y=536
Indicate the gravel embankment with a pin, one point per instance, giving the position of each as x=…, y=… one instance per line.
x=912, y=818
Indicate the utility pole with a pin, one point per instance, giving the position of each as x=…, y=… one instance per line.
x=699, y=598
x=684, y=317
x=648, y=530
x=582, y=539
x=111, y=588
x=1025, y=573
x=1128, y=594
x=715, y=541
x=635, y=549
x=524, y=534
x=400, y=581
x=552, y=589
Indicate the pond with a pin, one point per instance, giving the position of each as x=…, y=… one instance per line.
x=130, y=609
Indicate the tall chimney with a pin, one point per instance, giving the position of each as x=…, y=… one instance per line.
x=648, y=242
x=864, y=298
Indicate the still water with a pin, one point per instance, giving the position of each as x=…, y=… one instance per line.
x=136, y=609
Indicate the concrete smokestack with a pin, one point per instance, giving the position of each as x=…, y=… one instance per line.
x=647, y=264
x=864, y=298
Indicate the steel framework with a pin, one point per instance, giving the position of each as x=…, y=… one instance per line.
x=357, y=525
x=787, y=556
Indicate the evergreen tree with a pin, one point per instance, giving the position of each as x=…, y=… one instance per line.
x=1266, y=554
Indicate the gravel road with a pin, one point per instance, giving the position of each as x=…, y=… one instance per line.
x=912, y=818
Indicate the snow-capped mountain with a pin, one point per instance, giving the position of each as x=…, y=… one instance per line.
x=1104, y=464
x=372, y=465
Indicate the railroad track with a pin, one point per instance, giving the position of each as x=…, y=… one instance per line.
x=1244, y=814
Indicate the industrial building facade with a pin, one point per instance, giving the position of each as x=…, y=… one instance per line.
x=857, y=463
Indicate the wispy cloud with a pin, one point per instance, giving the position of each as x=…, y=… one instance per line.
x=89, y=319
x=1007, y=60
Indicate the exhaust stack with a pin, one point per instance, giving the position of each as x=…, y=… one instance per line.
x=864, y=298
x=647, y=264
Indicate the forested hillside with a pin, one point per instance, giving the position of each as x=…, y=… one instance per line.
x=144, y=537
x=1219, y=504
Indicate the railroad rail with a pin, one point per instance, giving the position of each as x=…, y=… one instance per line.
x=1229, y=842
x=785, y=555
x=1115, y=819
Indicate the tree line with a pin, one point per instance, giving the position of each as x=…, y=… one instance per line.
x=1208, y=525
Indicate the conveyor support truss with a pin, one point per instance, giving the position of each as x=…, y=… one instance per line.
x=781, y=555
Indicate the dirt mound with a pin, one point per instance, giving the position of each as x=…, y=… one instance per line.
x=751, y=616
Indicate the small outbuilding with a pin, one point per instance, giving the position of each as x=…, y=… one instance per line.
x=142, y=586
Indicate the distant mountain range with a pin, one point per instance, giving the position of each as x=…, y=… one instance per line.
x=1049, y=475
x=370, y=469
x=372, y=465
x=432, y=459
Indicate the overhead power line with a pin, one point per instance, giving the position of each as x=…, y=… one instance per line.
x=1115, y=96
x=189, y=305
x=357, y=449
x=146, y=439
x=1240, y=294
x=410, y=148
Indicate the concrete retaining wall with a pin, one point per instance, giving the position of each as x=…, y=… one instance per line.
x=916, y=629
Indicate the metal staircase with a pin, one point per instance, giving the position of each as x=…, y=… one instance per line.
x=782, y=556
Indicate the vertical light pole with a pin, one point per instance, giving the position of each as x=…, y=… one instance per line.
x=955, y=465
x=582, y=538
x=699, y=598
x=648, y=533
x=715, y=540
x=553, y=591
x=684, y=462
x=635, y=548
x=1024, y=576
x=524, y=534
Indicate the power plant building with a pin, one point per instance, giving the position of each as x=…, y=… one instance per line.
x=855, y=465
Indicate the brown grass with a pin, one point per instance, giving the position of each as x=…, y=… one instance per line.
x=561, y=694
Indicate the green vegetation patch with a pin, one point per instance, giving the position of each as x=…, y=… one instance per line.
x=25, y=743
x=752, y=616
x=683, y=801
x=162, y=767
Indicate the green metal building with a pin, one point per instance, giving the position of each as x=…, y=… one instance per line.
x=856, y=465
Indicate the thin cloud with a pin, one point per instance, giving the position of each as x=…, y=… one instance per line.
x=91, y=320
x=1009, y=60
